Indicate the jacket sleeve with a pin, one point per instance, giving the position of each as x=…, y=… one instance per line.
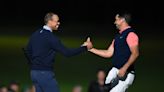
x=28, y=52
x=58, y=46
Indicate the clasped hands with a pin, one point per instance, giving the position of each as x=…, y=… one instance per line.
x=88, y=43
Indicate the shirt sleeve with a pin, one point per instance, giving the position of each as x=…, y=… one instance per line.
x=132, y=39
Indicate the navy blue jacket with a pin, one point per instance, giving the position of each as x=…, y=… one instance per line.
x=121, y=50
x=42, y=47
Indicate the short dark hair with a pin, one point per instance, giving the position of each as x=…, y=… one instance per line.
x=48, y=17
x=126, y=16
x=2, y=86
x=14, y=83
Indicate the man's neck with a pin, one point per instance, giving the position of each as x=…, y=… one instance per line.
x=47, y=28
x=101, y=82
x=123, y=28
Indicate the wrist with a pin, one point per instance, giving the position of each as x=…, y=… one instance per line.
x=91, y=49
x=124, y=68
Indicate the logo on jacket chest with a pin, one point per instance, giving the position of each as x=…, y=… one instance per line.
x=121, y=37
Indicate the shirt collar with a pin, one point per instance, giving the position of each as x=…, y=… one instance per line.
x=47, y=28
x=124, y=29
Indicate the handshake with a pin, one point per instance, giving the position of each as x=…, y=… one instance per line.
x=88, y=43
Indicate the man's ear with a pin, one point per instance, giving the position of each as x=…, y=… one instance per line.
x=123, y=19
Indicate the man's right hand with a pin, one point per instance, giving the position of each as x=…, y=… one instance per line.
x=88, y=43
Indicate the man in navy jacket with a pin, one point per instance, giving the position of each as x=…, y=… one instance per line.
x=41, y=50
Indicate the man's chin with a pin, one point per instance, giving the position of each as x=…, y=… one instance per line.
x=55, y=29
x=117, y=26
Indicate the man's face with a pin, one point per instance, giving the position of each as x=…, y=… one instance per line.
x=101, y=75
x=4, y=89
x=118, y=21
x=15, y=87
x=54, y=22
x=77, y=89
